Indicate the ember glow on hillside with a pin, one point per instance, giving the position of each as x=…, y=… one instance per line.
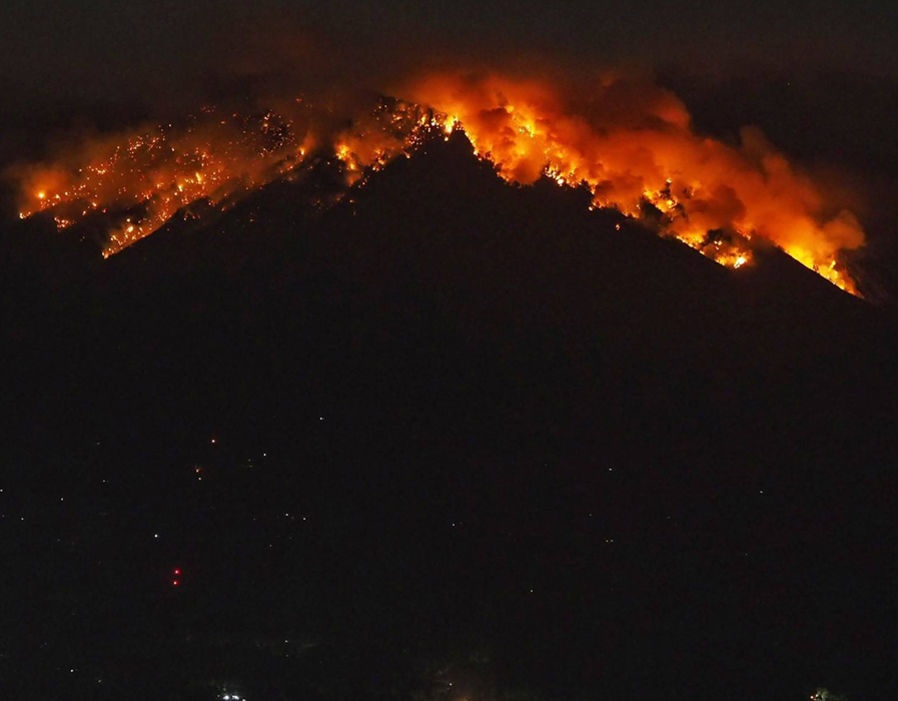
x=633, y=147
x=133, y=183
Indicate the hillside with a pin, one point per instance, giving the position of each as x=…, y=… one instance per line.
x=447, y=428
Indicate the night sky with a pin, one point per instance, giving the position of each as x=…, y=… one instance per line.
x=821, y=78
x=426, y=434
x=102, y=48
x=44, y=39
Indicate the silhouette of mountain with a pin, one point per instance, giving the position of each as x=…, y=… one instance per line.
x=528, y=443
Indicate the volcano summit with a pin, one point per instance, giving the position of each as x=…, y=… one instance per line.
x=631, y=146
x=432, y=434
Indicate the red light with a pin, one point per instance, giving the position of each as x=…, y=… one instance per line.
x=177, y=571
x=174, y=582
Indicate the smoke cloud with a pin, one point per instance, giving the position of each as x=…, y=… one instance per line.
x=631, y=141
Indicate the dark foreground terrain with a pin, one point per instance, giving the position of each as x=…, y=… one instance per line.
x=445, y=439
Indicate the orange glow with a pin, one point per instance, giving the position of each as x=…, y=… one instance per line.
x=637, y=148
x=633, y=146
x=154, y=172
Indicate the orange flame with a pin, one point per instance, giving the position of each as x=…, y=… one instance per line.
x=634, y=148
x=147, y=176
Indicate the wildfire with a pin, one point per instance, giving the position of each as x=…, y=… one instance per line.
x=140, y=180
x=634, y=149
x=637, y=152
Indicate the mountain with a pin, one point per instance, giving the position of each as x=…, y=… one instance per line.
x=444, y=429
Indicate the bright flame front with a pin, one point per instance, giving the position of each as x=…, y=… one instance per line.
x=634, y=149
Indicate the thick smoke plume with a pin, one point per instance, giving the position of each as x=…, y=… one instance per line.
x=631, y=142
x=633, y=145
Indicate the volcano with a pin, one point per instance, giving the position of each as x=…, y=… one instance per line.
x=443, y=436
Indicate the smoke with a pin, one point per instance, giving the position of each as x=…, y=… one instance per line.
x=131, y=182
x=631, y=141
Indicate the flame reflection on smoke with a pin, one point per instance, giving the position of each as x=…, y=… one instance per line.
x=634, y=148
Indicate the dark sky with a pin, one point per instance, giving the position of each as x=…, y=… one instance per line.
x=99, y=45
x=819, y=77
x=733, y=453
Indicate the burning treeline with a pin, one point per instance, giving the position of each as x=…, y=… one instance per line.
x=632, y=146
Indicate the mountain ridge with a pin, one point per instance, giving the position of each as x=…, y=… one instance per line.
x=652, y=452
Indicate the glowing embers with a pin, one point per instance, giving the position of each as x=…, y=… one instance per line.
x=138, y=182
x=730, y=250
x=634, y=143
x=830, y=270
x=393, y=128
x=633, y=147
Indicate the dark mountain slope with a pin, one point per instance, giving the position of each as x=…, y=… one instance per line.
x=534, y=450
